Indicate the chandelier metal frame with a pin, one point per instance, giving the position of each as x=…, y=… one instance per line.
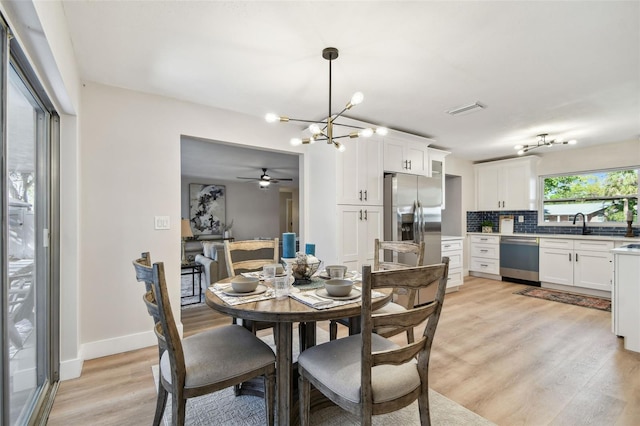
x=324, y=130
x=542, y=141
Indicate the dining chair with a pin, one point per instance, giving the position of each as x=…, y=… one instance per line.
x=367, y=374
x=205, y=362
x=404, y=298
x=251, y=256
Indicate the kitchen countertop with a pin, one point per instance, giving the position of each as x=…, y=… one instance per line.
x=566, y=236
x=627, y=250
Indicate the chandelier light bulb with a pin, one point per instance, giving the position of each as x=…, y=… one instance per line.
x=296, y=142
x=264, y=183
x=521, y=151
x=357, y=98
x=572, y=142
x=518, y=147
x=315, y=129
x=340, y=147
x=382, y=131
x=271, y=118
x=365, y=133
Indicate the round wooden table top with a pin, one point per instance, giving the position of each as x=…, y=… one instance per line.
x=289, y=309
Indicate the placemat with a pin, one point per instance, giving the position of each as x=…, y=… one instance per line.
x=217, y=289
x=310, y=298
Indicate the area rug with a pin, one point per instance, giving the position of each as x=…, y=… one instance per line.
x=224, y=408
x=569, y=298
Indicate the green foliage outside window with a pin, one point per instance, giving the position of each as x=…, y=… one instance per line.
x=602, y=193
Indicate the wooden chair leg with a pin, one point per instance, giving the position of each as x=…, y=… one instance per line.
x=423, y=406
x=178, y=408
x=333, y=330
x=304, y=389
x=161, y=403
x=269, y=397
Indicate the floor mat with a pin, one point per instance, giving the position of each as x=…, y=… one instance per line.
x=569, y=298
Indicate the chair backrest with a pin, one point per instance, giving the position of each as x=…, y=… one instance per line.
x=250, y=255
x=413, y=278
x=157, y=300
x=390, y=249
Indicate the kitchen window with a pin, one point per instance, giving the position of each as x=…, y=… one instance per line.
x=605, y=197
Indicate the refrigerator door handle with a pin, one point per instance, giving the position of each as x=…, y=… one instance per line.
x=416, y=224
x=420, y=223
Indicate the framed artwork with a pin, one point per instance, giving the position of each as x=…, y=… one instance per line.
x=207, y=207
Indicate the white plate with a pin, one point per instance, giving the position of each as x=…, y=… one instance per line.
x=259, y=290
x=355, y=293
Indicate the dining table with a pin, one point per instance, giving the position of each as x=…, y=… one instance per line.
x=303, y=306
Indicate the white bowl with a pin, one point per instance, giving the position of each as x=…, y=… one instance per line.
x=242, y=284
x=336, y=287
x=334, y=267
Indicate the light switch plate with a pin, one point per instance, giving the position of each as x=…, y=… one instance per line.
x=162, y=222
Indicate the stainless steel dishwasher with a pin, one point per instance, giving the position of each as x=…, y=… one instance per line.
x=519, y=258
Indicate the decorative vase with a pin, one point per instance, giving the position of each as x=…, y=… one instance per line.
x=487, y=229
x=227, y=234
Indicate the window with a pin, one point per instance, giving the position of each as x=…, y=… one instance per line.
x=606, y=197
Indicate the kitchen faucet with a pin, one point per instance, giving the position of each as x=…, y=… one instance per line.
x=584, y=223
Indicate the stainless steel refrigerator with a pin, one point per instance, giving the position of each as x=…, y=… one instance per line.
x=413, y=212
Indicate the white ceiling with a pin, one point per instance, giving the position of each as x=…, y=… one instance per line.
x=570, y=69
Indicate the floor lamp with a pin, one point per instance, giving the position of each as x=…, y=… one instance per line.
x=185, y=231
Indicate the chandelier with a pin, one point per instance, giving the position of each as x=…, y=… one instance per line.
x=542, y=141
x=325, y=129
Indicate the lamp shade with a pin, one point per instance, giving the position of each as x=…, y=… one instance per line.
x=185, y=228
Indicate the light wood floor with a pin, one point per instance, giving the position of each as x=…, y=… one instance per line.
x=514, y=360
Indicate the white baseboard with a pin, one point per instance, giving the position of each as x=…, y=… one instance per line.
x=120, y=344
x=71, y=369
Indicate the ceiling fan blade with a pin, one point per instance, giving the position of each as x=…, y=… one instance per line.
x=249, y=178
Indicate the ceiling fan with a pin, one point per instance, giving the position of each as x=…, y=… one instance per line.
x=265, y=180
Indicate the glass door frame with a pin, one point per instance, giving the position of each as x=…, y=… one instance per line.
x=47, y=230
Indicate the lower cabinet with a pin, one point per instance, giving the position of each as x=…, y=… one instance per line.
x=358, y=227
x=452, y=248
x=586, y=264
x=485, y=254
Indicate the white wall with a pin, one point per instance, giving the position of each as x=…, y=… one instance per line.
x=130, y=171
x=578, y=159
x=255, y=212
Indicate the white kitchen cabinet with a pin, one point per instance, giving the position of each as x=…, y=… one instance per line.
x=360, y=172
x=507, y=184
x=406, y=156
x=357, y=229
x=485, y=255
x=453, y=249
x=577, y=263
x=626, y=297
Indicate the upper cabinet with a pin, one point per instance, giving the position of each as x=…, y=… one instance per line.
x=507, y=184
x=406, y=153
x=360, y=171
x=405, y=156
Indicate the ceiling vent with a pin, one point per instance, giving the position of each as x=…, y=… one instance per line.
x=467, y=109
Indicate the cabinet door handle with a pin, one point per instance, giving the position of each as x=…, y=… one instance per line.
x=360, y=195
x=576, y=257
x=366, y=198
x=484, y=251
x=406, y=165
x=365, y=215
x=498, y=204
x=360, y=214
x=447, y=246
x=569, y=257
x=409, y=164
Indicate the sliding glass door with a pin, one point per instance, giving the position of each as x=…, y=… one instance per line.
x=28, y=287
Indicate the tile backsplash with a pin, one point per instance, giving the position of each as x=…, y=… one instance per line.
x=530, y=224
